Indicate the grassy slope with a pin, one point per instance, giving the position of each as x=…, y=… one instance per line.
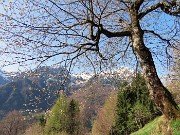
x=147, y=129
x=160, y=126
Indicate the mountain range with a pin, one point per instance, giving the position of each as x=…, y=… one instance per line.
x=35, y=91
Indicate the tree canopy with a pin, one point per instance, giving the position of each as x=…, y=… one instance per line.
x=99, y=31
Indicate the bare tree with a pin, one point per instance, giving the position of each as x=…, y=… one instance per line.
x=99, y=31
x=12, y=124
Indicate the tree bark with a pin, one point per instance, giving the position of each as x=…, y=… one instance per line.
x=159, y=94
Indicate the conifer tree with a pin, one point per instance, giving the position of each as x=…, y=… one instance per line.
x=63, y=117
x=135, y=107
x=73, y=115
x=57, y=120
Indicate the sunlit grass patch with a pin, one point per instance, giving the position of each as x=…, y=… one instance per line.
x=148, y=128
x=160, y=126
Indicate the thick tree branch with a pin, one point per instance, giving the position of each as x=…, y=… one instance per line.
x=110, y=34
x=164, y=7
x=154, y=7
x=137, y=4
x=173, y=5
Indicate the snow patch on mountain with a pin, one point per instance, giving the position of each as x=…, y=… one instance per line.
x=122, y=73
x=78, y=79
x=125, y=73
x=83, y=76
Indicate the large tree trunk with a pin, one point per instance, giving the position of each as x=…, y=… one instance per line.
x=159, y=94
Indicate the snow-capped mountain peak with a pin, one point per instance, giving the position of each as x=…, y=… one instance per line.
x=124, y=73
x=78, y=79
x=84, y=76
x=120, y=74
